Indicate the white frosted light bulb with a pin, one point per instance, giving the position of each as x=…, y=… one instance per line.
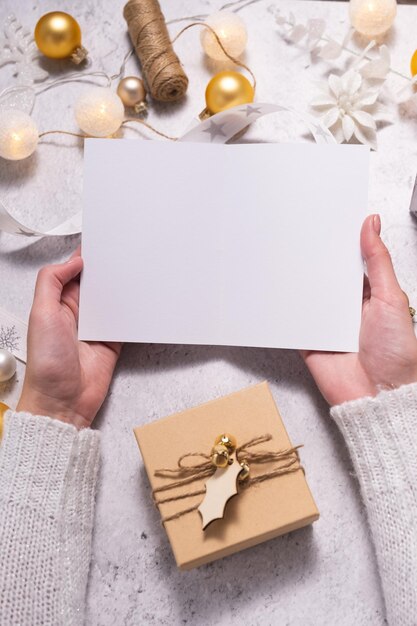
x=19, y=135
x=99, y=112
x=230, y=29
x=372, y=18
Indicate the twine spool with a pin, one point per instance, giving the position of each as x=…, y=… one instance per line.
x=166, y=80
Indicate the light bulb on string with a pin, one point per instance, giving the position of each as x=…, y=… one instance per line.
x=19, y=135
x=372, y=18
x=230, y=29
x=99, y=112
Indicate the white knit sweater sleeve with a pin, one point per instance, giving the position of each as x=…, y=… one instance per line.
x=381, y=434
x=48, y=474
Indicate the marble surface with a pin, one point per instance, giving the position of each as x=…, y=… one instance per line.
x=325, y=574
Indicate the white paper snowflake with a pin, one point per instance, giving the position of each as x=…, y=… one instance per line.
x=17, y=46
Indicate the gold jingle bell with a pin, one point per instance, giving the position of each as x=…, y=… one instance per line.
x=226, y=90
x=229, y=441
x=58, y=36
x=220, y=456
x=132, y=93
x=245, y=471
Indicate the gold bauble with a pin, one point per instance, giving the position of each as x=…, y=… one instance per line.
x=131, y=91
x=220, y=456
x=226, y=90
x=414, y=64
x=57, y=35
x=229, y=441
x=3, y=409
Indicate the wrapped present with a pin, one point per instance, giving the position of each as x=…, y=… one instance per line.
x=225, y=476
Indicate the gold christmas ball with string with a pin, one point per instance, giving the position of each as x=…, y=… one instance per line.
x=413, y=64
x=58, y=36
x=228, y=89
x=3, y=409
x=132, y=92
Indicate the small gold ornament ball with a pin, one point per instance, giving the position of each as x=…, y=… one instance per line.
x=3, y=409
x=131, y=91
x=414, y=64
x=229, y=441
x=57, y=35
x=220, y=456
x=228, y=89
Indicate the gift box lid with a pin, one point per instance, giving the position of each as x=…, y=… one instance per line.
x=260, y=511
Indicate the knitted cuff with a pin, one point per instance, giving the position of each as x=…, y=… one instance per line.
x=40, y=457
x=381, y=435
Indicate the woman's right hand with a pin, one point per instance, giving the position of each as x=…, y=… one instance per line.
x=65, y=378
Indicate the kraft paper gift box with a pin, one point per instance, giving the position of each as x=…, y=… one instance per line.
x=259, y=512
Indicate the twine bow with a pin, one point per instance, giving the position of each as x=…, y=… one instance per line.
x=288, y=462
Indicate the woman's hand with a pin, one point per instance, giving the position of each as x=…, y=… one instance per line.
x=387, y=355
x=65, y=378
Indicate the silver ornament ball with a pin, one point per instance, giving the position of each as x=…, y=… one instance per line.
x=7, y=365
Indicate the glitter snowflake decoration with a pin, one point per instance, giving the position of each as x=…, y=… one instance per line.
x=9, y=338
x=17, y=46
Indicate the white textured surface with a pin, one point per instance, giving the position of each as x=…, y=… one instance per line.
x=321, y=575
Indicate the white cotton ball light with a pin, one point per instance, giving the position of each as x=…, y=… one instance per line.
x=19, y=135
x=230, y=29
x=99, y=112
x=372, y=18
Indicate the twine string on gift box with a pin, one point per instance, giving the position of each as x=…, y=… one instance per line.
x=288, y=459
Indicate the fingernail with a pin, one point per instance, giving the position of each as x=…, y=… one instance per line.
x=376, y=224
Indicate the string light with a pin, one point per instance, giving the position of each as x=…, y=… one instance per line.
x=99, y=112
x=372, y=18
x=18, y=135
x=231, y=31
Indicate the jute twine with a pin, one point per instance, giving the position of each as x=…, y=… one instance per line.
x=161, y=67
x=288, y=462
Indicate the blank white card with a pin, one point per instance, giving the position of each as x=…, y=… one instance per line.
x=240, y=245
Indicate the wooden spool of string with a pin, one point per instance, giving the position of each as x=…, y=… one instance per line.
x=162, y=70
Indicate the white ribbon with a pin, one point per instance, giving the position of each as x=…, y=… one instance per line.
x=218, y=128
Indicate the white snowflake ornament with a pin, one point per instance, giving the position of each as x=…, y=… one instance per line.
x=349, y=108
x=17, y=46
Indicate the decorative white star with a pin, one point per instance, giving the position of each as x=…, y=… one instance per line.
x=215, y=130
